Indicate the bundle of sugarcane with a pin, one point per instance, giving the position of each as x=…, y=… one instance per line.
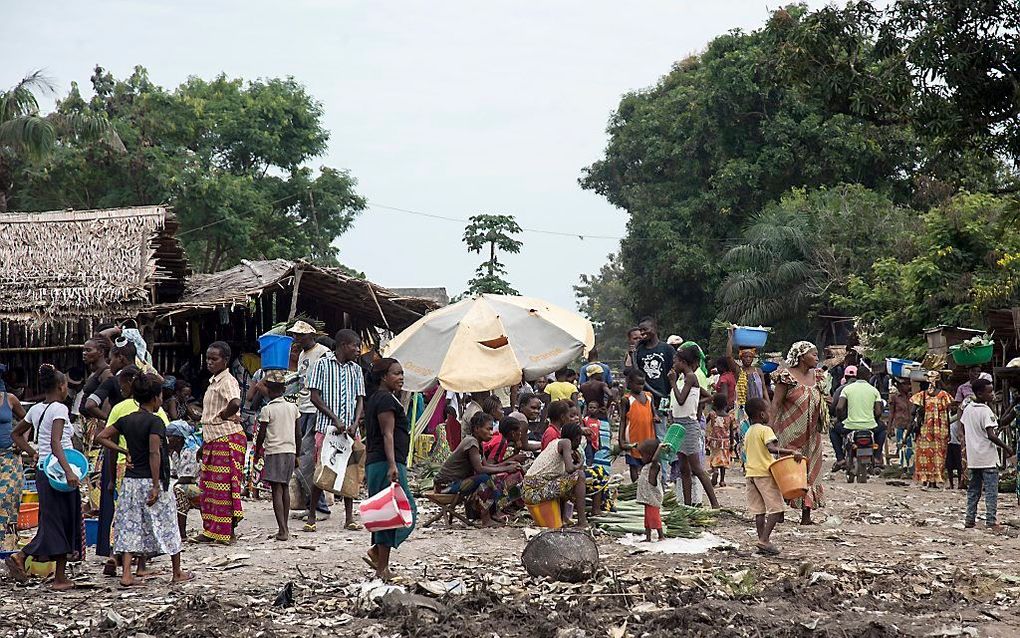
x=627, y=492
x=679, y=521
x=687, y=522
x=628, y=518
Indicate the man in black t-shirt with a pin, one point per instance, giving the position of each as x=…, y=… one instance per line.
x=655, y=359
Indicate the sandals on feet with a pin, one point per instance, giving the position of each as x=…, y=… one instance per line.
x=768, y=550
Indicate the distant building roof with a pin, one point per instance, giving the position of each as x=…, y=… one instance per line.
x=71, y=264
x=438, y=295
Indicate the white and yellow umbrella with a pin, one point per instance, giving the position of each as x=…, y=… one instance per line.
x=484, y=342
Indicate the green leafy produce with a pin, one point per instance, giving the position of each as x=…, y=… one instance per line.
x=679, y=521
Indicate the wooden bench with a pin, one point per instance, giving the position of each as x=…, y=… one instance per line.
x=448, y=506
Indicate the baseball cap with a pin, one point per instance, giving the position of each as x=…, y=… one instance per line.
x=674, y=340
x=850, y=371
x=593, y=368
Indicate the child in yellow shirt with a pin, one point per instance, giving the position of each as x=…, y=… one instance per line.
x=764, y=500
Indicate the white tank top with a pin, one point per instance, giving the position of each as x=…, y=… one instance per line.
x=689, y=408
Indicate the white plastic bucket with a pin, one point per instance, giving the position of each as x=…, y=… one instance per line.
x=389, y=509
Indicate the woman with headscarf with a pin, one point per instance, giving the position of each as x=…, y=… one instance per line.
x=11, y=470
x=750, y=379
x=800, y=414
x=749, y=384
x=931, y=436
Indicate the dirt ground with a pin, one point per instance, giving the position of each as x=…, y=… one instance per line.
x=886, y=560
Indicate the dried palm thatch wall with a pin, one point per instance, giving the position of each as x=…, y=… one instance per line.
x=239, y=304
x=65, y=272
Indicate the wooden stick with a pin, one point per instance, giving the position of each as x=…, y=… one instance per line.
x=371, y=289
x=294, y=293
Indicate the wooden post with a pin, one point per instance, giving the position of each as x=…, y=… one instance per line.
x=371, y=289
x=294, y=293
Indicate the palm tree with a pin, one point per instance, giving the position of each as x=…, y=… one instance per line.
x=770, y=275
x=24, y=133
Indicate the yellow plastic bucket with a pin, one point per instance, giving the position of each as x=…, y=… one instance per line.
x=546, y=514
x=41, y=570
x=30, y=497
x=790, y=476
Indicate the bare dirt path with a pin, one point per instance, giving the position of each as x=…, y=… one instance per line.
x=890, y=560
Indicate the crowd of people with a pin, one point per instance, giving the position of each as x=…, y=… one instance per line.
x=547, y=442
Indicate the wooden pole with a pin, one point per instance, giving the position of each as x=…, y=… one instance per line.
x=371, y=289
x=294, y=293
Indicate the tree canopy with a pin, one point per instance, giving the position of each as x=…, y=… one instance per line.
x=495, y=232
x=229, y=155
x=26, y=134
x=763, y=175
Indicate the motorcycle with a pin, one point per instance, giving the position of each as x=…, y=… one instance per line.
x=861, y=450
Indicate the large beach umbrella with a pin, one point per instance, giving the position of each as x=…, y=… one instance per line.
x=486, y=341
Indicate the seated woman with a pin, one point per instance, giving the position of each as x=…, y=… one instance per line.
x=467, y=471
x=510, y=444
x=558, y=475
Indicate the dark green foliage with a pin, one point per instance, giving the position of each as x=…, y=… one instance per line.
x=228, y=155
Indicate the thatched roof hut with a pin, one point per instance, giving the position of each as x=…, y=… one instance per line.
x=241, y=303
x=322, y=292
x=67, y=265
x=66, y=272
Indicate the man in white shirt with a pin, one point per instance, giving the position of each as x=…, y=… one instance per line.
x=311, y=351
x=979, y=424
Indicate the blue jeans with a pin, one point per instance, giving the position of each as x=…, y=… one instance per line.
x=988, y=478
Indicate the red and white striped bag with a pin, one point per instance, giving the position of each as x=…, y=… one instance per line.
x=389, y=509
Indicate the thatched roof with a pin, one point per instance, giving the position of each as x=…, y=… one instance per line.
x=330, y=288
x=87, y=263
x=438, y=294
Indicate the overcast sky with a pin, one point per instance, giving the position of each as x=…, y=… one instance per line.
x=450, y=108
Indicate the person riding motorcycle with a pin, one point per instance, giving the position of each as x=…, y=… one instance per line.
x=861, y=406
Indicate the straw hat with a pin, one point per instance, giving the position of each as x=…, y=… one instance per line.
x=302, y=328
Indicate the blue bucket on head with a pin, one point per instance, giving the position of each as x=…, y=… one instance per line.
x=769, y=367
x=275, y=351
x=746, y=337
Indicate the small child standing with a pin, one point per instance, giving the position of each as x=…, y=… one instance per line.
x=281, y=436
x=979, y=424
x=592, y=430
x=649, y=487
x=720, y=426
x=954, y=451
x=764, y=500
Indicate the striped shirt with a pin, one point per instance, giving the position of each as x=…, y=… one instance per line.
x=223, y=389
x=339, y=385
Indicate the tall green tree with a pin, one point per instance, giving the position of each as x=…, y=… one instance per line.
x=230, y=156
x=915, y=102
x=693, y=158
x=27, y=134
x=492, y=232
x=964, y=259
